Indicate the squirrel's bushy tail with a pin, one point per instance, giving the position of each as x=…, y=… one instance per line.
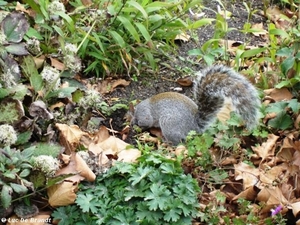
x=214, y=84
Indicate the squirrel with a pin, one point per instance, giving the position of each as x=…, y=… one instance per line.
x=176, y=114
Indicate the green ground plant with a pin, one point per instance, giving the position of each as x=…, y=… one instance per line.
x=153, y=191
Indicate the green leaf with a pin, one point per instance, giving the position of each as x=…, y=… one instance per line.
x=140, y=174
x=200, y=23
x=17, y=49
x=32, y=33
x=117, y=38
x=18, y=188
x=23, y=137
x=128, y=25
x=285, y=52
x=252, y=52
x=29, y=68
x=294, y=105
x=158, y=198
x=25, y=173
x=68, y=19
x=279, y=32
x=282, y=121
x=14, y=26
x=138, y=7
x=6, y=196
x=144, y=31
x=62, y=93
x=86, y=203
x=3, y=93
x=287, y=64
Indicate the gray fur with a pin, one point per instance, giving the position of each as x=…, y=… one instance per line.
x=177, y=114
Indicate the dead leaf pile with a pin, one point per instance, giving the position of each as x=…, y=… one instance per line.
x=102, y=150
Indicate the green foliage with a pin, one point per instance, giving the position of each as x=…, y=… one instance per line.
x=200, y=144
x=9, y=112
x=284, y=113
x=127, y=33
x=14, y=170
x=153, y=191
x=49, y=149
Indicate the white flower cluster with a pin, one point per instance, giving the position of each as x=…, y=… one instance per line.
x=71, y=61
x=33, y=45
x=92, y=99
x=70, y=49
x=56, y=6
x=8, y=135
x=51, y=76
x=45, y=163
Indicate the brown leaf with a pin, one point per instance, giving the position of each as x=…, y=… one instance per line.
x=183, y=37
x=78, y=167
x=86, y=2
x=272, y=196
x=57, y=64
x=259, y=29
x=119, y=82
x=185, y=81
x=278, y=94
x=296, y=208
x=39, y=62
x=109, y=85
x=267, y=148
x=248, y=194
x=83, y=169
x=62, y=194
x=129, y=155
x=248, y=174
x=70, y=136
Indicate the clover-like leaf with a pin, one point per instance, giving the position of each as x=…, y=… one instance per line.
x=15, y=26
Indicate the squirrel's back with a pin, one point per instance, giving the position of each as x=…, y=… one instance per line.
x=177, y=114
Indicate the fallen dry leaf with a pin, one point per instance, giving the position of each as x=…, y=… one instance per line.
x=185, y=81
x=278, y=94
x=272, y=195
x=129, y=155
x=248, y=174
x=57, y=64
x=183, y=37
x=258, y=29
x=62, y=194
x=248, y=194
x=70, y=136
x=296, y=208
x=83, y=169
x=78, y=167
x=267, y=148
